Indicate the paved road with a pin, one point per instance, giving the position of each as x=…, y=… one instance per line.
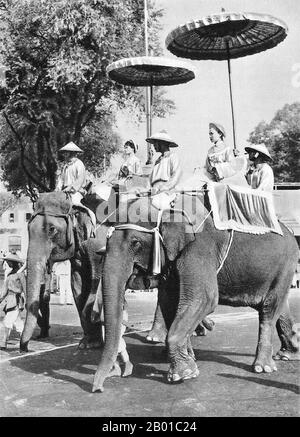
x=55, y=379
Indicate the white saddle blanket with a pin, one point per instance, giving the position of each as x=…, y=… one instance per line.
x=242, y=209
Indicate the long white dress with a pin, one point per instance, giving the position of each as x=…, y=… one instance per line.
x=261, y=177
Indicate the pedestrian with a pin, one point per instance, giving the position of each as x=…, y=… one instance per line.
x=14, y=295
x=63, y=273
x=260, y=174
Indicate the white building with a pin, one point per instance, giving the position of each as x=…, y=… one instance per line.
x=13, y=227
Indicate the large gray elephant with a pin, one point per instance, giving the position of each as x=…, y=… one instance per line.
x=257, y=272
x=57, y=232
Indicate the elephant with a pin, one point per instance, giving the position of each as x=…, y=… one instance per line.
x=57, y=232
x=256, y=272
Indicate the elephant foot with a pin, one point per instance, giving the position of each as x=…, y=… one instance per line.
x=43, y=334
x=127, y=369
x=201, y=330
x=86, y=343
x=208, y=323
x=184, y=370
x=285, y=355
x=115, y=370
x=24, y=347
x=157, y=334
x=264, y=365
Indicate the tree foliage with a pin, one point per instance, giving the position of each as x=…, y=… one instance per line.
x=56, y=53
x=7, y=201
x=282, y=138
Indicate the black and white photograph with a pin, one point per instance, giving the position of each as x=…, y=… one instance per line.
x=149, y=211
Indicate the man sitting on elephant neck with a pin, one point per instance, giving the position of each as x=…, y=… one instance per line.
x=72, y=179
x=260, y=174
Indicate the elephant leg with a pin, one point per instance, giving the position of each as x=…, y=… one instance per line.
x=158, y=332
x=263, y=361
x=198, y=298
x=44, y=309
x=183, y=365
x=274, y=304
x=81, y=288
x=168, y=296
x=289, y=338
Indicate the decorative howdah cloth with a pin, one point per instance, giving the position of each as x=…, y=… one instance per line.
x=242, y=209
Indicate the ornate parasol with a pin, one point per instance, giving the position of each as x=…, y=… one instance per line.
x=149, y=71
x=226, y=36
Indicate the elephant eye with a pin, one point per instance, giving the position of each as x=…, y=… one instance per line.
x=136, y=244
x=52, y=231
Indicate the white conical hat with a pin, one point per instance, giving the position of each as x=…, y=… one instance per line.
x=261, y=148
x=71, y=147
x=161, y=136
x=12, y=257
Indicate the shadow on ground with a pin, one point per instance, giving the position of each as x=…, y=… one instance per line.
x=78, y=366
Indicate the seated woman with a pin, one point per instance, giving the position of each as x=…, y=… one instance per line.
x=132, y=165
x=260, y=174
x=166, y=171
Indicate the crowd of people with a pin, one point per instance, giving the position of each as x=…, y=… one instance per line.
x=166, y=171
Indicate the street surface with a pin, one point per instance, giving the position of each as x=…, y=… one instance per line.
x=55, y=379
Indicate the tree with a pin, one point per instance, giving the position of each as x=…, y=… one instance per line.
x=282, y=138
x=7, y=201
x=57, y=90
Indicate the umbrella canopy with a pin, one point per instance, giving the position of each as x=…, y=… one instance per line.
x=226, y=36
x=211, y=37
x=150, y=71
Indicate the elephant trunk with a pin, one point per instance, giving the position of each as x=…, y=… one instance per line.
x=36, y=265
x=113, y=299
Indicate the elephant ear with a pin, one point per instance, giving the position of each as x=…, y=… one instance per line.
x=175, y=237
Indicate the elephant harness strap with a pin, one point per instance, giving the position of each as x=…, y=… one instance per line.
x=156, y=235
x=226, y=251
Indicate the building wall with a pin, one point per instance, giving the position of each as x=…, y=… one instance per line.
x=13, y=228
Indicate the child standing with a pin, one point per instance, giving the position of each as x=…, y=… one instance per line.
x=14, y=295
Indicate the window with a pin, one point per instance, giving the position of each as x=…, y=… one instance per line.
x=14, y=243
x=11, y=217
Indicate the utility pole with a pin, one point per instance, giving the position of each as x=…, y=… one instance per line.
x=148, y=90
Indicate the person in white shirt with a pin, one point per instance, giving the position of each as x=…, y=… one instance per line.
x=166, y=171
x=260, y=174
x=73, y=178
x=63, y=274
x=219, y=153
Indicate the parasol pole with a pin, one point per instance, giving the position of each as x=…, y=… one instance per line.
x=231, y=99
x=148, y=90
